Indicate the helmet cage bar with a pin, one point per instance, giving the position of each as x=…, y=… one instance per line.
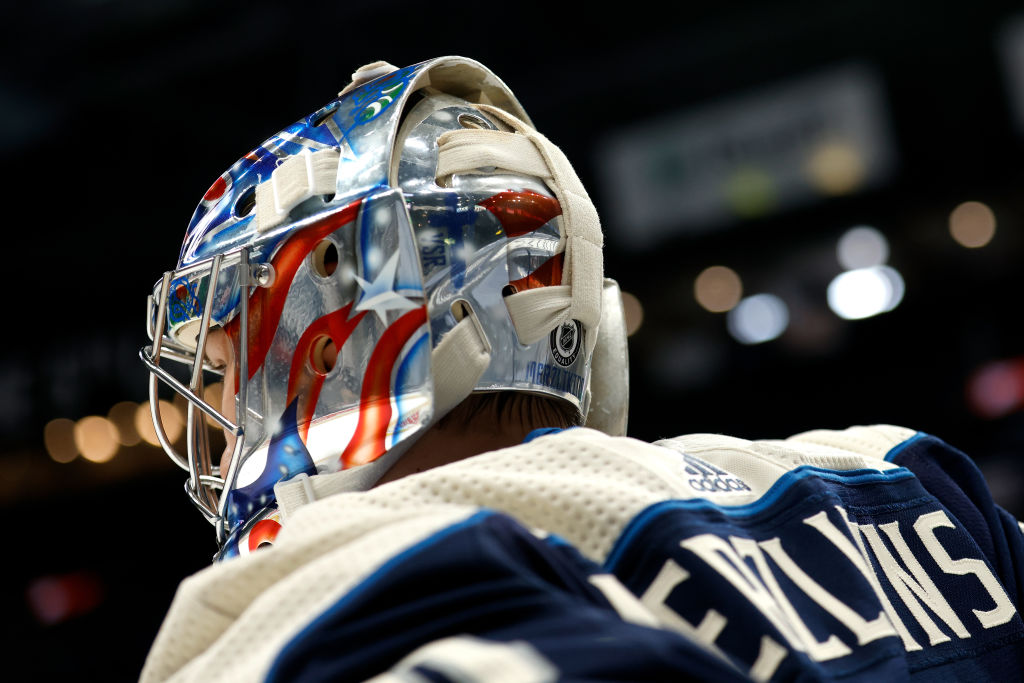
x=241, y=405
x=151, y=357
x=197, y=443
x=203, y=484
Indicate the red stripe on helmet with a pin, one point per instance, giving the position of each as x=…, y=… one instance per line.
x=367, y=443
x=267, y=304
x=549, y=273
x=338, y=327
x=523, y=212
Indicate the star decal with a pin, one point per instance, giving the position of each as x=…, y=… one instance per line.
x=380, y=296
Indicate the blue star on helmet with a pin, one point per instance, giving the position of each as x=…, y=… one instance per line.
x=380, y=295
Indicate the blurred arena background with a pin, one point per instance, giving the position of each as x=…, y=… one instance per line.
x=815, y=208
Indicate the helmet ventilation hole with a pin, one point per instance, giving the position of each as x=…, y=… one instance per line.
x=246, y=202
x=472, y=121
x=323, y=114
x=508, y=290
x=460, y=309
x=323, y=355
x=325, y=258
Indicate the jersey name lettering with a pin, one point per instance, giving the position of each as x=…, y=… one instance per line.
x=753, y=568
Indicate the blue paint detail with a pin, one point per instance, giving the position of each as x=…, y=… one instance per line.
x=896, y=450
x=414, y=362
x=229, y=306
x=761, y=505
x=324, y=113
x=286, y=457
x=215, y=228
x=191, y=306
x=364, y=231
x=230, y=548
x=387, y=93
x=411, y=373
x=454, y=223
x=195, y=288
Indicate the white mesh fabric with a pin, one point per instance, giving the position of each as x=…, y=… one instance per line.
x=585, y=486
x=230, y=620
x=873, y=442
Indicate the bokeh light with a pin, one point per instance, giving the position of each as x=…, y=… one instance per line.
x=864, y=292
x=633, y=311
x=56, y=598
x=758, y=319
x=718, y=289
x=59, y=439
x=835, y=167
x=122, y=415
x=972, y=224
x=96, y=438
x=862, y=247
x=172, y=418
x=996, y=389
x=751, y=192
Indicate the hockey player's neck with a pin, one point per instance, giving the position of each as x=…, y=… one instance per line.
x=442, y=446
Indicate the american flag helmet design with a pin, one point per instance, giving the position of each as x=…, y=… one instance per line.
x=336, y=295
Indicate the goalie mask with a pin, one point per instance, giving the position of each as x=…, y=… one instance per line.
x=411, y=242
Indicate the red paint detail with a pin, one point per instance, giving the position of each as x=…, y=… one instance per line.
x=303, y=381
x=216, y=190
x=549, y=273
x=521, y=213
x=367, y=442
x=267, y=304
x=263, y=531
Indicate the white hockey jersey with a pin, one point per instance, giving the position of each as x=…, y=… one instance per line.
x=868, y=554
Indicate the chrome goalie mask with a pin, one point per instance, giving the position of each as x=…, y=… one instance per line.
x=421, y=228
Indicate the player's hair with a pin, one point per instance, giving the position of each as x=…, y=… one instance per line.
x=510, y=408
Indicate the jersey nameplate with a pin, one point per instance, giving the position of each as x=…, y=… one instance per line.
x=825, y=585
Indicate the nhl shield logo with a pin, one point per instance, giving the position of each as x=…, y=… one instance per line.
x=566, y=340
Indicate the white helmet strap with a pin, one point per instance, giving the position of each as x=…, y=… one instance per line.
x=457, y=363
x=525, y=151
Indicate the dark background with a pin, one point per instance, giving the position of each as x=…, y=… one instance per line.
x=116, y=116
